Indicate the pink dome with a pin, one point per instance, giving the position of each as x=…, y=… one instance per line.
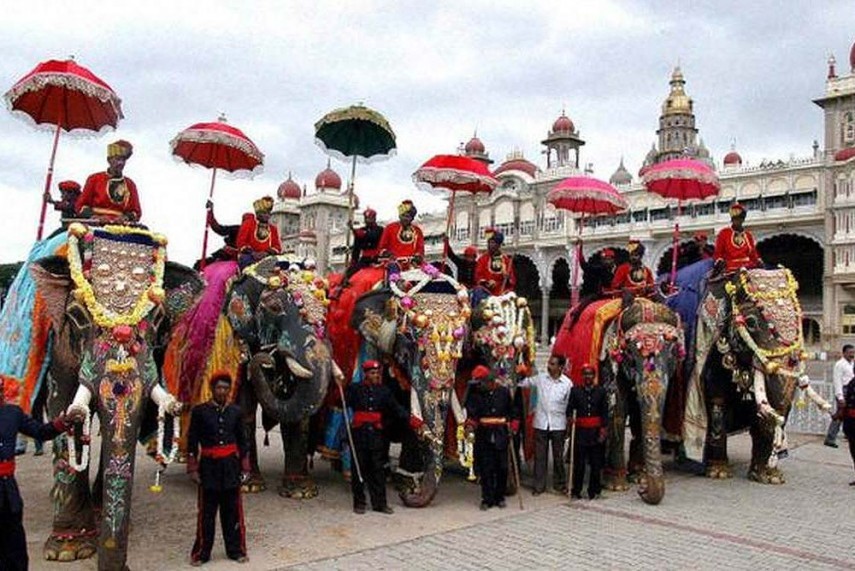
x=289, y=190
x=517, y=164
x=474, y=146
x=563, y=125
x=845, y=154
x=732, y=159
x=328, y=178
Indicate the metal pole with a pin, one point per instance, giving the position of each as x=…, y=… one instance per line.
x=447, y=230
x=349, y=435
x=207, y=225
x=349, y=213
x=48, y=180
x=570, y=454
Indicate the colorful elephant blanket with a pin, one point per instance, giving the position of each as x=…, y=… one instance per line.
x=25, y=330
x=583, y=344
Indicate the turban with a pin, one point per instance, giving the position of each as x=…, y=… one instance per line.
x=481, y=372
x=263, y=205
x=120, y=148
x=700, y=237
x=635, y=246
x=495, y=235
x=221, y=377
x=407, y=208
x=470, y=251
x=587, y=368
x=69, y=186
x=607, y=253
x=369, y=212
x=737, y=210
x=370, y=365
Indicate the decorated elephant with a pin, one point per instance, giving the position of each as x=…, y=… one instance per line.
x=643, y=350
x=748, y=361
x=419, y=324
x=279, y=320
x=111, y=305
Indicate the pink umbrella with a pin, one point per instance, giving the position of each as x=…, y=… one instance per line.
x=585, y=195
x=683, y=179
x=454, y=173
x=217, y=145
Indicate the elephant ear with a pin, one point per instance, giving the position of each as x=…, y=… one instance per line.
x=53, y=283
x=183, y=287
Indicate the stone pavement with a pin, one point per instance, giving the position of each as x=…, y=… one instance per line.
x=809, y=523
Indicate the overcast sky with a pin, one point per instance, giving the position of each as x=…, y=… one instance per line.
x=437, y=70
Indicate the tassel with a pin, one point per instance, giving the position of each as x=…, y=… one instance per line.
x=267, y=439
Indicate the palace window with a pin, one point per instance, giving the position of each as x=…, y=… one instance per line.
x=804, y=198
x=660, y=214
x=640, y=215
x=847, y=321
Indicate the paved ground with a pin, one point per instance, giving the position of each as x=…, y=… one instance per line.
x=807, y=524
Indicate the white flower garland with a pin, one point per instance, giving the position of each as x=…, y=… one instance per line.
x=165, y=459
x=78, y=465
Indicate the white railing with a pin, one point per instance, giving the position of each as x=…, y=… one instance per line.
x=805, y=417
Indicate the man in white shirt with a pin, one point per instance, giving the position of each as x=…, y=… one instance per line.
x=551, y=392
x=842, y=375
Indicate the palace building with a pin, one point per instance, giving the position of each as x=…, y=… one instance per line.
x=801, y=210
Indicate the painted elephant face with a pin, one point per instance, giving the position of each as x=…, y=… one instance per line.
x=504, y=336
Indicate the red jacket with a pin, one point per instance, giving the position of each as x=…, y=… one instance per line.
x=247, y=238
x=498, y=269
x=402, y=246
x=96, y=196
x=736, y=255
x=623, y=278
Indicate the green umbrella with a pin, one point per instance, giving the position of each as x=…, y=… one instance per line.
x=352, y=134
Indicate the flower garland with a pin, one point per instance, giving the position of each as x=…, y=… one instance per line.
x=165, y=459
x=75, y=463
x=103, y=316
x=466, y=451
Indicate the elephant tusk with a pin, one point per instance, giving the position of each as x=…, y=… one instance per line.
x=337, y=372
x=810, y=393
x=297, y=369
x=79, y=407
x=763, y=406
x=164, y=400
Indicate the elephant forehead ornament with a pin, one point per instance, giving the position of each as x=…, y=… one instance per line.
x=508, y=331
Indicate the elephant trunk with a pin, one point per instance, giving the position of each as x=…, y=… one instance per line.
x=652, y=399
x=310, y=386
x=260, y=363
x=423, y=495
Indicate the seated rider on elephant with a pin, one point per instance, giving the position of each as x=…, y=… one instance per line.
x=257, y=237
x=111, y=196
x=633, y=276
x=365, y=243
x=494, y=271
x=734, y=246
x=403, y=240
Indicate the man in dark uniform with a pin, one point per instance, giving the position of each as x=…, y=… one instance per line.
x=218, y=460
x=848, y=414
x=491, y=413
x=465, y=263
x=365, y=242
x=13, y=542
x=371, y=402
x=590, y=404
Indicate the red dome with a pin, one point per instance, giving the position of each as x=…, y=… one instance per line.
x=563, y=125
x=474, y=146
x=517, y=165
x=289, y=190
x=328, y=178
x=732, y=158
x=845, y=154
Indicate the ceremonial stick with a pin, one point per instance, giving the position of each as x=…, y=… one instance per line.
x=571, y=454
x=349, y=435
x=513, y=451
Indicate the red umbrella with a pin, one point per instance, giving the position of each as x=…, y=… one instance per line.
x=585, y=195
x=68, y=96
x=454, y=173
x=683, y=179
x=217, y=145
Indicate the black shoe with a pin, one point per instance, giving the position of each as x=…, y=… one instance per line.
x=384, y=510
x=576, y=496
x=484, y=506
x=536, y=492
x=831, y=444
x=594, y=496
x=502, y=504
x=359, y=510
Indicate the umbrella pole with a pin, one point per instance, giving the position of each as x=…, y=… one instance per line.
x=675, y=247
x=48, y=180
x=349, y=214
x=574, y=293
x=207, y=225
x=449, y=217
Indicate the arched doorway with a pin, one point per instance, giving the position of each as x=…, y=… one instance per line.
x=559, y=295
x=528, y=286
x=804, y=257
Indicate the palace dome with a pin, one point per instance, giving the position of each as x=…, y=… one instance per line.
x=563, y=125
x=732, y=159
x=328, y=178
x=289, y=190
x=844, y=154
x=474, y=146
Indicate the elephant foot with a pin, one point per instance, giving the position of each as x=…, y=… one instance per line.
x=615, y=481
x=298, y=488
x=254, y=485
x=719, y=471
x=766, y=475
x=70, y=546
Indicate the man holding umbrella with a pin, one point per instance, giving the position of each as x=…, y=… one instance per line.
x=494, y=270
x=110, y=195
x=365, y=243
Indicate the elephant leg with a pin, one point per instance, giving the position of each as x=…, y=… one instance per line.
x=715, y=449
x=636, y=442
x=249, y=406
x=296, y=482
x=762, y=437
x=614, y=472
x=410, y=462
x=74, y=533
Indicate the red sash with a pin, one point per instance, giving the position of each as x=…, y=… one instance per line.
x=849, y=413
x=219, y=452
x=363, y=417
x=7, y=468
x=589, y=422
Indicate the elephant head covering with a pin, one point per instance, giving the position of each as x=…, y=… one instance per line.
x=120, y=148
x=737, y=210
x=407, y=208
x=370, y=365
x=494, y=235
x=263, y=205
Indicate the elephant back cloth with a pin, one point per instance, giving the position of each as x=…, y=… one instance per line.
x=583, y=343
x=25, y=329
x=753, y=320
x=188, y=353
